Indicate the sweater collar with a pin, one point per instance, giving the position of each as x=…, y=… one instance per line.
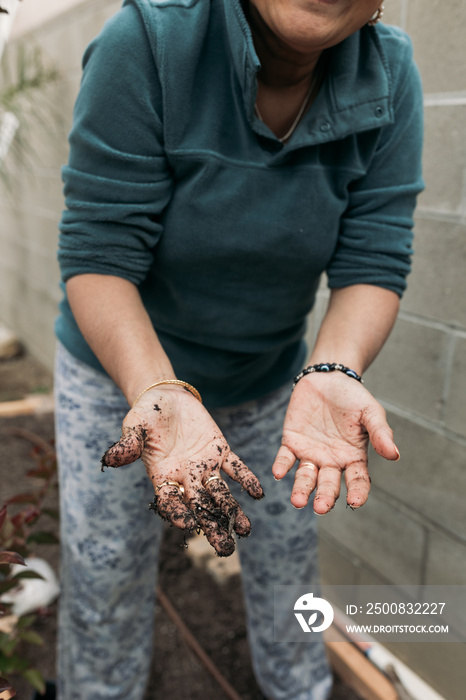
x=245, y=59
x=356, y=95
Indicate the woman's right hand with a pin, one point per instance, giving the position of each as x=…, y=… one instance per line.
x=178, y=441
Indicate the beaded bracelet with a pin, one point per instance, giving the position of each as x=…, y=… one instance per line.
x=327, y=367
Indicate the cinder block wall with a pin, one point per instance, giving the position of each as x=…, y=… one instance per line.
x=413, y=529
x=30, y=211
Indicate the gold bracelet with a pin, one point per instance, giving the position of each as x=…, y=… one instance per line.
x=187, y=386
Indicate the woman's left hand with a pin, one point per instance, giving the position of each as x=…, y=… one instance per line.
x=328, y=424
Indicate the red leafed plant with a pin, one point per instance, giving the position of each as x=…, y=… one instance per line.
x=18, y=537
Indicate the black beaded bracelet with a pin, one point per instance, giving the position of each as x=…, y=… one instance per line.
x=327, y=367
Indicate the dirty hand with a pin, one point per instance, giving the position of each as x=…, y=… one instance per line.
x=329, y=421
x=181, y=446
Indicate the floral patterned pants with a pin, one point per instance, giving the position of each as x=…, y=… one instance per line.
x=110, y=542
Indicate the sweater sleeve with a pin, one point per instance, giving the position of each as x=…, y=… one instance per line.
x=375, y=238
x=117, y=181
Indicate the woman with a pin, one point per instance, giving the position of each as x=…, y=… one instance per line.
x=223, y=155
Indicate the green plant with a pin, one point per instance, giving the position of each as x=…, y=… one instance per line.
x=26, y=105
x=32, y=75
x=18, y=538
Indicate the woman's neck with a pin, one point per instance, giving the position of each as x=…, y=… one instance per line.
x=281, y=66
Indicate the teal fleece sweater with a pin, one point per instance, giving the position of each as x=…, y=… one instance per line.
x=175, y=185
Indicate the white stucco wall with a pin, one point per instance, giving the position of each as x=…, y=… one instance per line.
x=33, y=13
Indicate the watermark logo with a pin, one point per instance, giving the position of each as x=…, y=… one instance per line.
x=402, y=613
x=307, y=603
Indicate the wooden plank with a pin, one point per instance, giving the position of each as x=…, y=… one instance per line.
x=42, y=403
x=356, y=670
x=6, y=695
x=7, y=625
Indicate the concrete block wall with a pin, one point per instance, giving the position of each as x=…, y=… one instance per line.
x=413, y=528
x=30, y=212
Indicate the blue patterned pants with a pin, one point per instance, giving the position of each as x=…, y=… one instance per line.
x=110, y=544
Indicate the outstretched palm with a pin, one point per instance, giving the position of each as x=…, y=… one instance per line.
x=328, y=425
x=183, y=451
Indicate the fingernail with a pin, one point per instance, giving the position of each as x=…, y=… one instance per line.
x=298, y=508
x=276, y=478
x=321, y=515
x=398, y=453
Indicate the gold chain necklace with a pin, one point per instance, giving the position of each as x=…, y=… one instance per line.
x=302, y=109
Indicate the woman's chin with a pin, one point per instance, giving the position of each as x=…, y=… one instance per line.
x=307, y=26
x=309, y=36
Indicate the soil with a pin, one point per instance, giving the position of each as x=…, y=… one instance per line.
x=213, y=611
x=21, y=376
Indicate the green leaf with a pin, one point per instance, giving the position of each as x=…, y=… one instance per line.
x=27, y=574
x=26, y=621
x=41, y=389
x=11, y=558
x=32, y=637
x=52, y=512
x=14, y=664
x=42, y=538
x=7, y=646
x=18, y=546
x=7, y=586
x=34, y=677
x=7, y=530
